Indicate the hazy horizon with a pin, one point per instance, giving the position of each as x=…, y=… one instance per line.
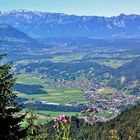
x=26, y=10
x=106, y=8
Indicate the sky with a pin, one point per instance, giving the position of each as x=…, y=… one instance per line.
x=76, y=7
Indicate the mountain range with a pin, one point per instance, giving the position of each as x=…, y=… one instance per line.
x=8, y=33
x=11, y=37
x=43, y=24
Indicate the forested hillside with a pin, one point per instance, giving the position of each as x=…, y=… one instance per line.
x=126, y=126
x=128, y=77
x=130, y=70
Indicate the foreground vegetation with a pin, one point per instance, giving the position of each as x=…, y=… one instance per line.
x=10, y=119
x=125, y=126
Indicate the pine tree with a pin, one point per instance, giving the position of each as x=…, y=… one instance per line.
x=10, y=119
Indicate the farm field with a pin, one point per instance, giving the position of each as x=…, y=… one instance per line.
x=54, y=94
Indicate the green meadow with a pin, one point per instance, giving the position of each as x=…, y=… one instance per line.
x=54, y=94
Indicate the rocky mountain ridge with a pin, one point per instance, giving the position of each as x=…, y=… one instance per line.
x=44, y=24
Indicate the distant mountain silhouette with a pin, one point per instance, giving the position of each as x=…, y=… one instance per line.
x=10, y=36
x=8, y=33
x=43, y=24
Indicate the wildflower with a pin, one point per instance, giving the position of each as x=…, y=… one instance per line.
x=62, y=126
x=65, y=120
x=54, y=126
x=55, y=119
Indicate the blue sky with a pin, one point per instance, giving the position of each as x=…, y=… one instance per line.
x=77, y=7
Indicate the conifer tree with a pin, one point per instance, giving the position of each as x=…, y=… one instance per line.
x=10, y=119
